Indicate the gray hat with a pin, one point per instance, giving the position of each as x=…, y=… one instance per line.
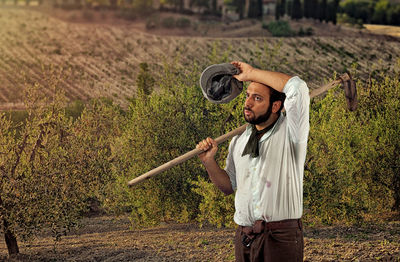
x=218, y=84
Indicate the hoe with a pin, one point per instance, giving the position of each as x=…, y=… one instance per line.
x=345, y=80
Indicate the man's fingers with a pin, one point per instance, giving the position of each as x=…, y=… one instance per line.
x=206, y=144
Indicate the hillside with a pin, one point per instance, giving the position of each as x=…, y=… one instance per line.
x=102, y=59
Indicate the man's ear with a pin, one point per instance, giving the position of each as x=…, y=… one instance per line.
x=276, y=106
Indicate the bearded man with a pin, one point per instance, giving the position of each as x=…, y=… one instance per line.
x=265, y=166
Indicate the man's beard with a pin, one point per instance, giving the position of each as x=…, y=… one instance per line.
x=260, y=119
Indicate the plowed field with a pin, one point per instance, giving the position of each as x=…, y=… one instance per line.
x=102, y=59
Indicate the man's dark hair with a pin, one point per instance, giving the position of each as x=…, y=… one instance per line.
x=277, y=96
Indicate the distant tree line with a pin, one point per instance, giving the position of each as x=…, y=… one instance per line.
x=375, y=12
x=322, y=10
x=365, y=11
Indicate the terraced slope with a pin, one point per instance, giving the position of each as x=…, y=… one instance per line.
x=103, y=60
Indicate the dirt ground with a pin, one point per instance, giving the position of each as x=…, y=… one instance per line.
x=106, y=238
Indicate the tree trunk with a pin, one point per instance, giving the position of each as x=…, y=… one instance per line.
x=11, y=240
x=246, y=8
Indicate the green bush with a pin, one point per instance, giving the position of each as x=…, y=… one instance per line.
x=305, y=32
x=152, y=22
x=128, y=14
x=352, y=164
x=168, y=22
x=160, y=126
x=215, y=208
x=182, y=22
x=345, y=19
x=279, y=28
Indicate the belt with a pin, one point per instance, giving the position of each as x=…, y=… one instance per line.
x=261, y=226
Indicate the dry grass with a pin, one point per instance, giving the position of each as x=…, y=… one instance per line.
x=384, y=29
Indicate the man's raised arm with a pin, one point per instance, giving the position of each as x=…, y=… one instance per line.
x=275, y=80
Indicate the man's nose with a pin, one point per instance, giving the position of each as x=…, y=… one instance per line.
x=248, y=102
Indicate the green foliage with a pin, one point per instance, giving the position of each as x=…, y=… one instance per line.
x=377, y=12
x=75, y=109
x=152, y=22
x=305, y=32
x=161, y=126
x=380, y=11
x=215, y=208
x=352, y=164
x=168, y=22
x=128, y=14
x=280, y=28
x=40, y=183
x=54, y=164
x=182, y=22
x=357, y=9
x=145, y=80
x=345, y=19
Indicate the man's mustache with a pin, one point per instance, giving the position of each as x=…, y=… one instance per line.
x=247, y=108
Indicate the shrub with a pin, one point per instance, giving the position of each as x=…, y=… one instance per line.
x=152, y=22
x=352, y=164
x=168, y=22
x=345, y=19
x=280, y=28
x=182, y=22
x=215, y=208
x=127, y=13
x=305, y=32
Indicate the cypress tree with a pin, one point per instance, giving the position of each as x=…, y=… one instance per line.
x=289, y=7
x=277, y=10
x=322, y=11
x=307, y=7
x=296, y=10
x=283, y=7
x=255, y=9
x=314, y=9
x=331, y=11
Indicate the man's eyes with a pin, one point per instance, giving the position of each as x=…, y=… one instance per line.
x=256, y=98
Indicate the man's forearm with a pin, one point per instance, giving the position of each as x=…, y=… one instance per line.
x=276, y=80
x=218, y=176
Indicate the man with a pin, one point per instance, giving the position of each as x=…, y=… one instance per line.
x=265, y=166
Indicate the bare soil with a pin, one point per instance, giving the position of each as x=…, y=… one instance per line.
x=106, y=238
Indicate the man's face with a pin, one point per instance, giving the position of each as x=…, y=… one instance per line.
x=257, y=108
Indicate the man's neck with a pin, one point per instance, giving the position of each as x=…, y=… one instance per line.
x=270, y=121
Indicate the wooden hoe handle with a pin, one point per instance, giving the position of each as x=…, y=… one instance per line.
x=223, y=138
x=184, y=157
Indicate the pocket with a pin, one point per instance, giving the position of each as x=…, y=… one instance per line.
x=285, y=235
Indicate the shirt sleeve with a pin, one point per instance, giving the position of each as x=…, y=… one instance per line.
x=230, y=164
x=297, y=105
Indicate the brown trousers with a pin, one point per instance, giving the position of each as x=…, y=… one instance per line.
x=276, y=244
